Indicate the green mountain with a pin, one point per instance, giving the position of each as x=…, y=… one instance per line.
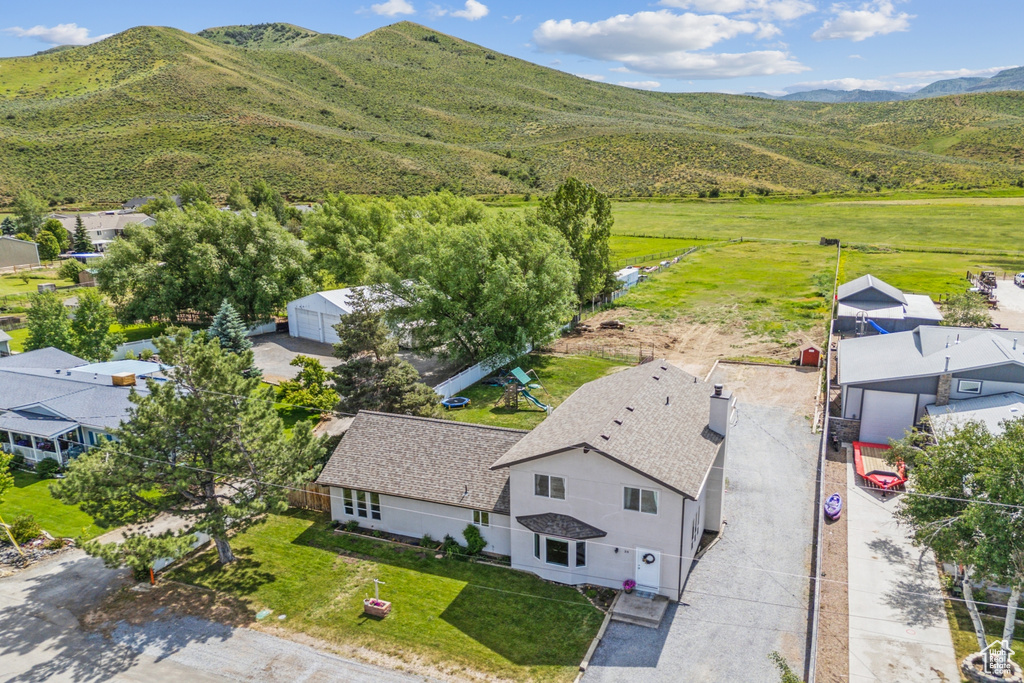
x=1008, y=79
x=826, y=95
x=949, y=86
x=405, y=109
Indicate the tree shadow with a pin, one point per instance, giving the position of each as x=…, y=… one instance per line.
x=245, y=575
x=917, y=600
x=889, y=551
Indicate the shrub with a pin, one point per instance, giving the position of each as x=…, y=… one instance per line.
x=475, y=541
x=451, y=547
x=25, y=528
x=145, y=354
x=47, y=468
x=70, y=269
x=54, y=544
x=351, y=525
x=17, y=462
x=428, y=541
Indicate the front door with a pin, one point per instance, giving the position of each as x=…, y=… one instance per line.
x=648, y=569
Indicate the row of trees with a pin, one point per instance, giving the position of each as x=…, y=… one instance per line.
x=85, y=333
x=468, y=283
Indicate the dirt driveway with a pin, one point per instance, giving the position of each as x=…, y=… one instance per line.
x=1010, y=313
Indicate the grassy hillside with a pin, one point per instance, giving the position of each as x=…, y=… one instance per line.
x=405, y=109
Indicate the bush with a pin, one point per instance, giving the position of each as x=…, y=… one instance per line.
x=145, y=354
x=451, y=547
x=351, y=525
x=17, y=462
x=475, y=541
x=47, y=468
x=70, y=269
x=25, y=528
x=428, y=541
x=54, y=544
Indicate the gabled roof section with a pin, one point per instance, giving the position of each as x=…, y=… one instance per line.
x=869, y=287
x=4, y=336
x=922, y=353
x=652, y=419
x=440, y=461
x=563, y=526
x=49, y=357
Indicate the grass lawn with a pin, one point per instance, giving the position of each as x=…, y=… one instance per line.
x=18, y=339
x=959, y=222
x=139, y=332
x=964, y=640
x=13, y=284
x=769, y=288
x=924, y=272
x=560, y=375
x=31, y=496
x=634, y=250
x=453, y=615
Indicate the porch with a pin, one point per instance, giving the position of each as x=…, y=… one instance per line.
x=36, y=437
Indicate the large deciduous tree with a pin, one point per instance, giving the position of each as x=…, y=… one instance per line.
x=371, y=376
x=49, y=248
x=49, y=324
x=472, y=291
x=191, y=192
x=206, y=445
x=967, y=309
x=193, y=260
x=91, y=327
x=59, y=232
x=29, y=213
x=584, y=217
x=965, y=501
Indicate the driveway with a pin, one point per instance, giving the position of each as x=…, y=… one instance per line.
x=1010, y=298
x=273, y=354
x=41, y=638
x=749, y=595
x=898, y=625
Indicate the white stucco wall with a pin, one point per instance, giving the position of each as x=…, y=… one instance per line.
x=594, y=494
x=417, y=517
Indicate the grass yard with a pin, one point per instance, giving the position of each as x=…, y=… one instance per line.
x=559, y=375
x=31, y=496
x=18, y=339
x=451, y=615
x=14, y=284
x=923, y=272
x=769, y=288
x=958, y=222
x=139, y=332
x=634, y=250
x=964, y=640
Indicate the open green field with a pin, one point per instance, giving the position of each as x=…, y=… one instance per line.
x=559, y=375
x=769, y=288
x=18, y=338
x=638, y=250
x=959, y=223
x=27, y=282
x=928, y=273
x=31, y=496
x=456, y=616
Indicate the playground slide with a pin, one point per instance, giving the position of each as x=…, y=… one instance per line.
x=875, y=325
x=532, y=399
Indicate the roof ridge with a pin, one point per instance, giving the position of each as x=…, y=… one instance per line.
x=442, y=420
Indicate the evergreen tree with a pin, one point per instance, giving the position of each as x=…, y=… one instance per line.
x=371, y=376
x=91, y=328
x=48, y=324
x=230, y=330
x=8, y=227
x=206, y=445
x=82, y=244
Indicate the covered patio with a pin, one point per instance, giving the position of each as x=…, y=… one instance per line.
x=37, y=436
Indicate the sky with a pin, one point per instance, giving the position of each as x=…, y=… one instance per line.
x=773, y=46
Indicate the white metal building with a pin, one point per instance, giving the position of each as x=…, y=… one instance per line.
x=314, y=316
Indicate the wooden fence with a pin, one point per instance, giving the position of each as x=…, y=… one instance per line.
x=311, y=497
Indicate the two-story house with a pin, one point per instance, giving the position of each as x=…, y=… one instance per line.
x=619, y=482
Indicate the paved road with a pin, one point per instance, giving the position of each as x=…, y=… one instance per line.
x=41, y=639
x=898, y=625
x=749, y=595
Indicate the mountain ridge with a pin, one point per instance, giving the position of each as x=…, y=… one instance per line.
x=408, y=109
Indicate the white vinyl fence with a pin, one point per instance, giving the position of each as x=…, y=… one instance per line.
x=137, y=347
x=474, y=374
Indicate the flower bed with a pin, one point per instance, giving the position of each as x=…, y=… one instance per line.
x=376, y=608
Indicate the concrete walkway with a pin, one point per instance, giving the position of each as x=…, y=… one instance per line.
x=898, y=625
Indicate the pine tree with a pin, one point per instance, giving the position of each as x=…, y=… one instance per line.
x=82, y=244
x=230, y=330
x=8, y=227
x=219, y=462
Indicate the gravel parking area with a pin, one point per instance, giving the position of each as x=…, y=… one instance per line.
x=750, y=594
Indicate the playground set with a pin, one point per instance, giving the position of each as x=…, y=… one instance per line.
x=518, y=383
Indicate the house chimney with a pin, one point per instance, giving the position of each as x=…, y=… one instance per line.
x=1014, y=343
x=721, y=407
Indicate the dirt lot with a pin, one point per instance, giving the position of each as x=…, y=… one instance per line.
x=692, y=346
x=1010, y=313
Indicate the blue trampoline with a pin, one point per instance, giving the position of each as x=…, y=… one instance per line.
x=455, y=402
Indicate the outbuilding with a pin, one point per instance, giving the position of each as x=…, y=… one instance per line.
x=868, y=306
x=628, y=276
x=314, y=316
x=810, y=355
x=15, y=253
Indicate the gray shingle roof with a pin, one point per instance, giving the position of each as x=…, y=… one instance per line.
x=922, y=353
x=991, y=411
x=563, y=526
x=37, y=425
x=918, y=306
x=425, y=459
x=4, y=336
x=652, y=418
x=855, y=289
x=52, y=358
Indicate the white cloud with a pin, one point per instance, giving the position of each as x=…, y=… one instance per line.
x=780, y=10
x=641, y=85
x=854, y=57
x=953, y=73
x=392, y=8
x=473, y=10
x=664, y=43
x=874, y=18
x=592, y=77
x=61, y=34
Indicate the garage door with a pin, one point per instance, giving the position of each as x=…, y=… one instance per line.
x=330, y=334
x=886, y=415
x=309, y=324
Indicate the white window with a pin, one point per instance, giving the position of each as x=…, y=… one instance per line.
x=640, y=500
x=481, y=518
x=356, y=503
x=549, y=486
x=969, y=386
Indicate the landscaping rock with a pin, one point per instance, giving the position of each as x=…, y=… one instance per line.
x=11, y=559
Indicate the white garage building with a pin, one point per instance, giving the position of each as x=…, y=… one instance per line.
x=889, y=381
x=314, y=316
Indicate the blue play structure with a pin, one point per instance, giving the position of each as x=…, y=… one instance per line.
x=875, y=325
x=455, y=402
x=518, y=383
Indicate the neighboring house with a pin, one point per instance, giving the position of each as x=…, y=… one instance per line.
x=314, y=316
x=5, y=344
x=619, y=482
x=135, y=203
x=55, y=405
x=991, y=411
x=888, y=381
x=15, y=253
x=103, y=226
x=868, y=298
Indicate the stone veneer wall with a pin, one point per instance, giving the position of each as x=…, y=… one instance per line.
x=844, y=430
